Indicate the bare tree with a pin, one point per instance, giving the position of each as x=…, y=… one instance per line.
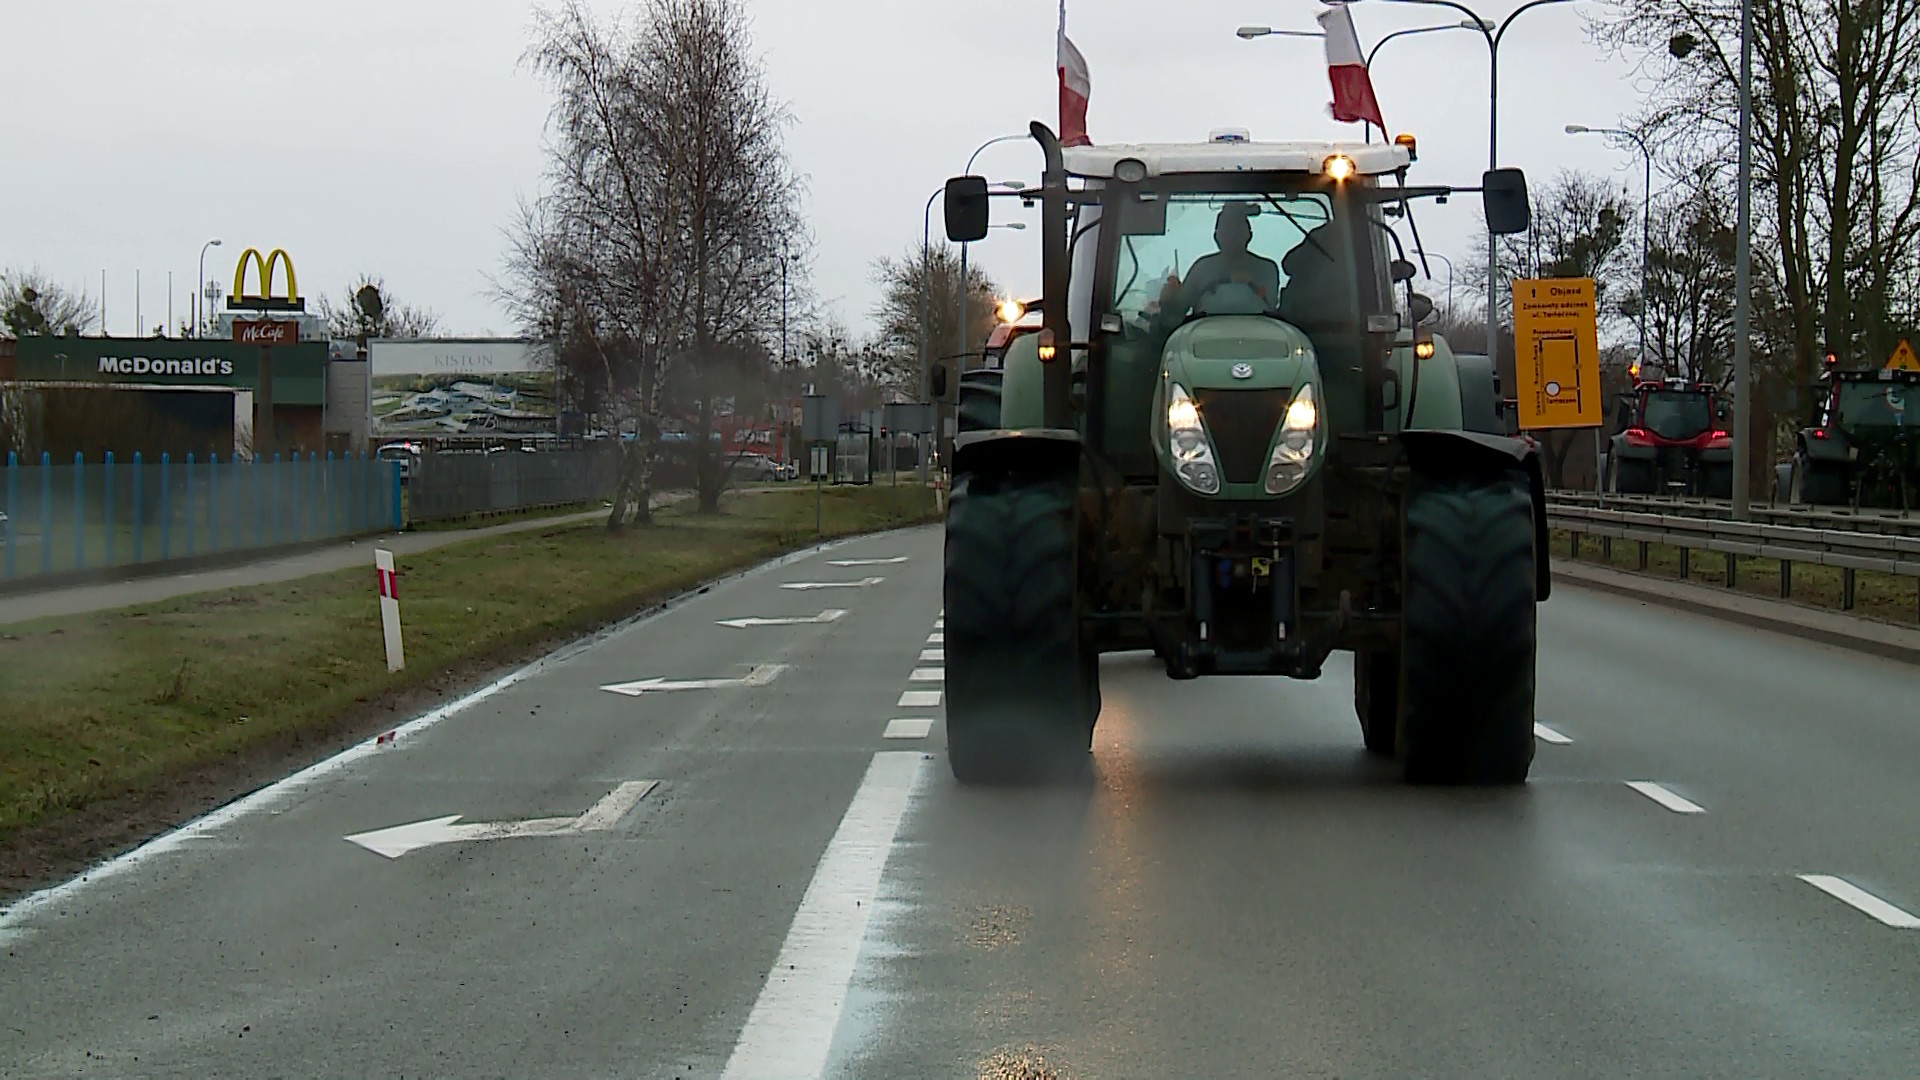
x=394, y=320
x=1689, y=301
x=33, y=303
x=669, y=217
x=1582, y=227
x=926, y=285
x=1836, y=126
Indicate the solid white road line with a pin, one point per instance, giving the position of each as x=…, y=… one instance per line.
x=1666, y=798
x=868, y=562
x=1548, y=735
x=918, y=699
x=934, y=656
x=936, y=638
x=790, y=1030
x=908, y=727
x=1848, y=893
x=928, y=674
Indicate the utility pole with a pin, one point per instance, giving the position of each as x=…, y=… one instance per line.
x=1743, y=281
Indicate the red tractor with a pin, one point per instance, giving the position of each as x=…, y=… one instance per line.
x=1671, y=441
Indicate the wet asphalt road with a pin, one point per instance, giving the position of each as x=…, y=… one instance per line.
x=1238, y=892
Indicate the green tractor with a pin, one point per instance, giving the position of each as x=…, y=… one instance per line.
x=1231, y=444
x=1861, y=447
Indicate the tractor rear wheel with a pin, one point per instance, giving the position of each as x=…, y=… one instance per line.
x=1467, y=638
x=1817, y=483
x=1376, y=698
x=1632, y=477
x=1716, y=479
x=979, y=400
x=1022, y=689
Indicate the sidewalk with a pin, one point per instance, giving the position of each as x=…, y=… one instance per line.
x=1780, y=616
x=345, y=555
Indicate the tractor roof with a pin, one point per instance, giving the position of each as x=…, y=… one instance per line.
x=1167, y=159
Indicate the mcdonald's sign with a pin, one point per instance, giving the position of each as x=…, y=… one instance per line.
x=264, y=300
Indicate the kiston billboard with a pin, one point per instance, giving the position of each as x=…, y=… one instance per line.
x=461, y=387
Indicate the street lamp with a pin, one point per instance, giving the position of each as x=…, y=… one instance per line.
x=1012, y=185
x=1251, y=32
x=1646, y=210
x=1449, y=262
x=201, y=285
x=1493, y=33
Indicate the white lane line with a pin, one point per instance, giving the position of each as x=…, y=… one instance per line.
x=908, y=727
x=1848, y=893
x=940, y=623
x=1548, y=735
x=936, y=638
x=918, y=699
x=790, y=1030
x=894, y=561
x=933, y=656
x=928, y=674
x=1666, y=798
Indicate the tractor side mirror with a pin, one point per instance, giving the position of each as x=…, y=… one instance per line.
x=1420, y=307
x=1503, y=197
x=1722, y=412
x=938, y=377
x=1402, y=271
x=967, y=209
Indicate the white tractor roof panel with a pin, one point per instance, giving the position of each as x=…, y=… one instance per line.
x=1166, y=159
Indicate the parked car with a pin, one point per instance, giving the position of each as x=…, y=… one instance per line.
x=406, y=453
x=759, y=468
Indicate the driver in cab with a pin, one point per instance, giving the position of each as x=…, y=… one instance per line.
x=1232, y=265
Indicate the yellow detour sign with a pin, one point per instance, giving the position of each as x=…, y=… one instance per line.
x=1556, y=353
x=1903, y=358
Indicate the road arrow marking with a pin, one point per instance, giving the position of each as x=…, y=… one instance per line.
x=861, y=584
x=896, y=560
x=602, y=816
x=827, y=616
x=759, y=676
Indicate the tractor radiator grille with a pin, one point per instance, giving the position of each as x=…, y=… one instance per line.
x=1242, y=423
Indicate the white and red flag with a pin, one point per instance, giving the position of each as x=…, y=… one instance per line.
x=1075, y=88
x=1353, y=98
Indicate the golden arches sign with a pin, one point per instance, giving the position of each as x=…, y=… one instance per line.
x=264, y=299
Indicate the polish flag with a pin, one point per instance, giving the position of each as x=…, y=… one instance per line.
x=1075, y=88
x=1353, y=98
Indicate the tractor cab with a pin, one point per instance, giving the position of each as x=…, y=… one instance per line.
x=1671, y=439
x=1862, y=441
x=1013, y=319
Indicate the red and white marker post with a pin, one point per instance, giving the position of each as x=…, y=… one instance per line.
x=389, y=606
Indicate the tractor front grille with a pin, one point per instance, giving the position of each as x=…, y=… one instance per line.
x=1242, y=423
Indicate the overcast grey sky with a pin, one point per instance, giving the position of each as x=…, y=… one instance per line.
x=395, y=136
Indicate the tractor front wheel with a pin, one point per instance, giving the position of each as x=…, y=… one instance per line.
x=1467, y=638
x=1022, y=688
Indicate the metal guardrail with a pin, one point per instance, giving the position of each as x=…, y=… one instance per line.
x=1833, y=519
x=1850, y=550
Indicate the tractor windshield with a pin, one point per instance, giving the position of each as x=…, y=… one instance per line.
x=1223, y=254
x=1677, y=414
x=1876, y=404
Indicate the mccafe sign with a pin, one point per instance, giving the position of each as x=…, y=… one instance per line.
x=265, y=332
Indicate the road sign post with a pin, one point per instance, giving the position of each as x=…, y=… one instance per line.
x=1556, y=339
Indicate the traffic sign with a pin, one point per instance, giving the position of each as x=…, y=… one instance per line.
x=1556, y=334
x=1904, y=358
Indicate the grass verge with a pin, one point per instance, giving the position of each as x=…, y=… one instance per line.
x=118, y=709
x=1886, y=597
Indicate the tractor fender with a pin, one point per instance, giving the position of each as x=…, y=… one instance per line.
x=1623, y=450
x=1479, y=395
x=1456, y=452
x=1832, y=449
x=1001, y=449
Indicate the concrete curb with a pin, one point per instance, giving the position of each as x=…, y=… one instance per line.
x=1809, y=624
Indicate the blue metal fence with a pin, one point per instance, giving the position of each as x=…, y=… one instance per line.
x=115, y=512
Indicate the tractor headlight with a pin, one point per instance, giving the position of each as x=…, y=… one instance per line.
x=1187, y=442
x=1293, y=448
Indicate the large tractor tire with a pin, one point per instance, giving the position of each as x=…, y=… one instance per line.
x=1716, y=479
x=979, y=400
x=1022, y=689
x=1376, y=699
x=1632, y=477
x=1818, y=483
x=1467, y=638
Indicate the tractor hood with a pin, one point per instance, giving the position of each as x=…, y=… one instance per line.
x=1228, y=381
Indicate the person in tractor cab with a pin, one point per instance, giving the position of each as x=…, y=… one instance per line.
x=1313, y=286
x=1257, y=277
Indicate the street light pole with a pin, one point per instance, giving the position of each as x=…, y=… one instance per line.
x=1646, y=215
x=1449, y=262
x=926, y=282
x=1366, y=127
x=1743, y=280
x=1493, y=35
x=200, y=285
x=961, y=352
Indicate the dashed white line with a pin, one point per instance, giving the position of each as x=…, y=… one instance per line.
x=1548, y=735
x=940, y=623
x=1848, y=893
x=918, y=699
x=908, y=727
x=790, y=1030
x=934, y=656
x=928, y=674
x=1668, y=799
x=936, y=638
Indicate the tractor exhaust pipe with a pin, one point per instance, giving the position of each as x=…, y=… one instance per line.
x=1056, y=383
